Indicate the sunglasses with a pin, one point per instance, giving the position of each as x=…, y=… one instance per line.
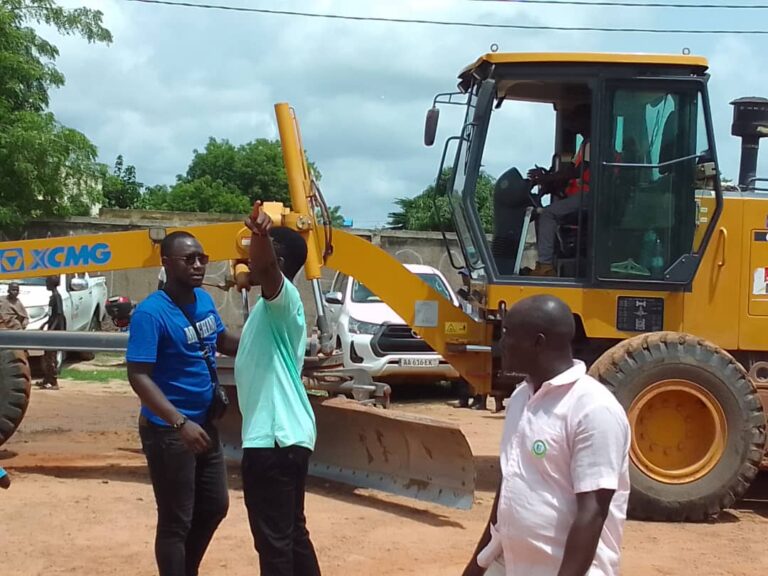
x=190, y=259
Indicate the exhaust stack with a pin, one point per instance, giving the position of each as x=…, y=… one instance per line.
x=750, y=123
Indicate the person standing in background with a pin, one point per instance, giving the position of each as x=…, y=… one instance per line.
x=13, y=314
x=56, y=321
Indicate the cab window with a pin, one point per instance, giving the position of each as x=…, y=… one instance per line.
x=646, y=215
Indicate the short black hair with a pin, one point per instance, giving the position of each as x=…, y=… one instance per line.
x=166, y=246
x=291, y=248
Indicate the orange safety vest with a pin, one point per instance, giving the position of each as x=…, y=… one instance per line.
x=576, y=185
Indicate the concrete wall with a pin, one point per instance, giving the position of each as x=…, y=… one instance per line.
x=408, y=247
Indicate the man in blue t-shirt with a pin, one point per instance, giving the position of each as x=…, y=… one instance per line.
x=168, y=370
x=5, y=480
x=278, y=421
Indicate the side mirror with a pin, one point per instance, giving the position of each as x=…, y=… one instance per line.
x=78, y=284
x=333, y=298
x=430, y=126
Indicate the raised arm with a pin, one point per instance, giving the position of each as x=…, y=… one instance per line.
x=264, y=265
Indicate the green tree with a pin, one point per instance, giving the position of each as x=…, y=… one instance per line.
x=46, y=169
x=120, y=188
x=255, y=169
x=431, y=209
x=225, y=178
x=201, y=195
x=154, y=198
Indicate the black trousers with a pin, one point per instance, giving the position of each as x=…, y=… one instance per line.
x=191, y=496
x=273, y=484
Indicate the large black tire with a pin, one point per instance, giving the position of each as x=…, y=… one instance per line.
x=637, y=363
x=15, y=387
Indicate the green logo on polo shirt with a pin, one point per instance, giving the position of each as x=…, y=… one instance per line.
x=539, y=448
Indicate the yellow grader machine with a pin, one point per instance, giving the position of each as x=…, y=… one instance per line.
x=666, y=274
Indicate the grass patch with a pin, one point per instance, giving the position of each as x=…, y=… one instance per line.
x=110, y=356
x=94, y=375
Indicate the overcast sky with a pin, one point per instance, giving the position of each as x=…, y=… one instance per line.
x=175, y=76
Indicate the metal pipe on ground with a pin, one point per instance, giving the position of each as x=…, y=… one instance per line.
x=63, y=340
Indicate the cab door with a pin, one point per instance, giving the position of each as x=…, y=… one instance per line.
x=656, y=146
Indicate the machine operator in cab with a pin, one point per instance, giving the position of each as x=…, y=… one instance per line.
x=567, y=186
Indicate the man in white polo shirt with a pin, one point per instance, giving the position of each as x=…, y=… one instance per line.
x=562, y=502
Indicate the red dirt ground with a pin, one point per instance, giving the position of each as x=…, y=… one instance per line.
x=81, y=503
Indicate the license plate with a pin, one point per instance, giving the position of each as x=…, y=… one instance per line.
x=419, y=362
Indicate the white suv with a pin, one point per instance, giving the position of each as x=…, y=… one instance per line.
x=373, y=337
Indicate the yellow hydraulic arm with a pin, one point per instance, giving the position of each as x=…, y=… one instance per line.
x=463, y=341
x=402, y=453
x=446, y=328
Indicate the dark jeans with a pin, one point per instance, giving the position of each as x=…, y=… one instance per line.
x=273, y=485
x=191, y=495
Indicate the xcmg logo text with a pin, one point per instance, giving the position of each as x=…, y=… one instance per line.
x=14, y=259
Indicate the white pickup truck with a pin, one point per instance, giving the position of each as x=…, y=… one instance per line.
x=83, y=296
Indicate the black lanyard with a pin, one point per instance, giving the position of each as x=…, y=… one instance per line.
x=204, y=350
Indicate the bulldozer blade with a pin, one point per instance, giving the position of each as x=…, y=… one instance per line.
x=396, y=452
x=367, y=447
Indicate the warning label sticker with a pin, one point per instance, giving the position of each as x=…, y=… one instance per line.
x=456, y=328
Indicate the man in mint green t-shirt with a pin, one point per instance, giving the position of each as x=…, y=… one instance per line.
x=278, y=421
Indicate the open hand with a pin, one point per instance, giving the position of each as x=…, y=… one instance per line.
x=259, y=222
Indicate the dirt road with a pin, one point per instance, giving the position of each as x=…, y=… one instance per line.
x=81, y=503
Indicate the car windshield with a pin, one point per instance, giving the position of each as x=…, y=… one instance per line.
x=437, y=283
x=361, y=294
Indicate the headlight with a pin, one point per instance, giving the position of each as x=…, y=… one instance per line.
x=358, y=327
x=37, y=312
